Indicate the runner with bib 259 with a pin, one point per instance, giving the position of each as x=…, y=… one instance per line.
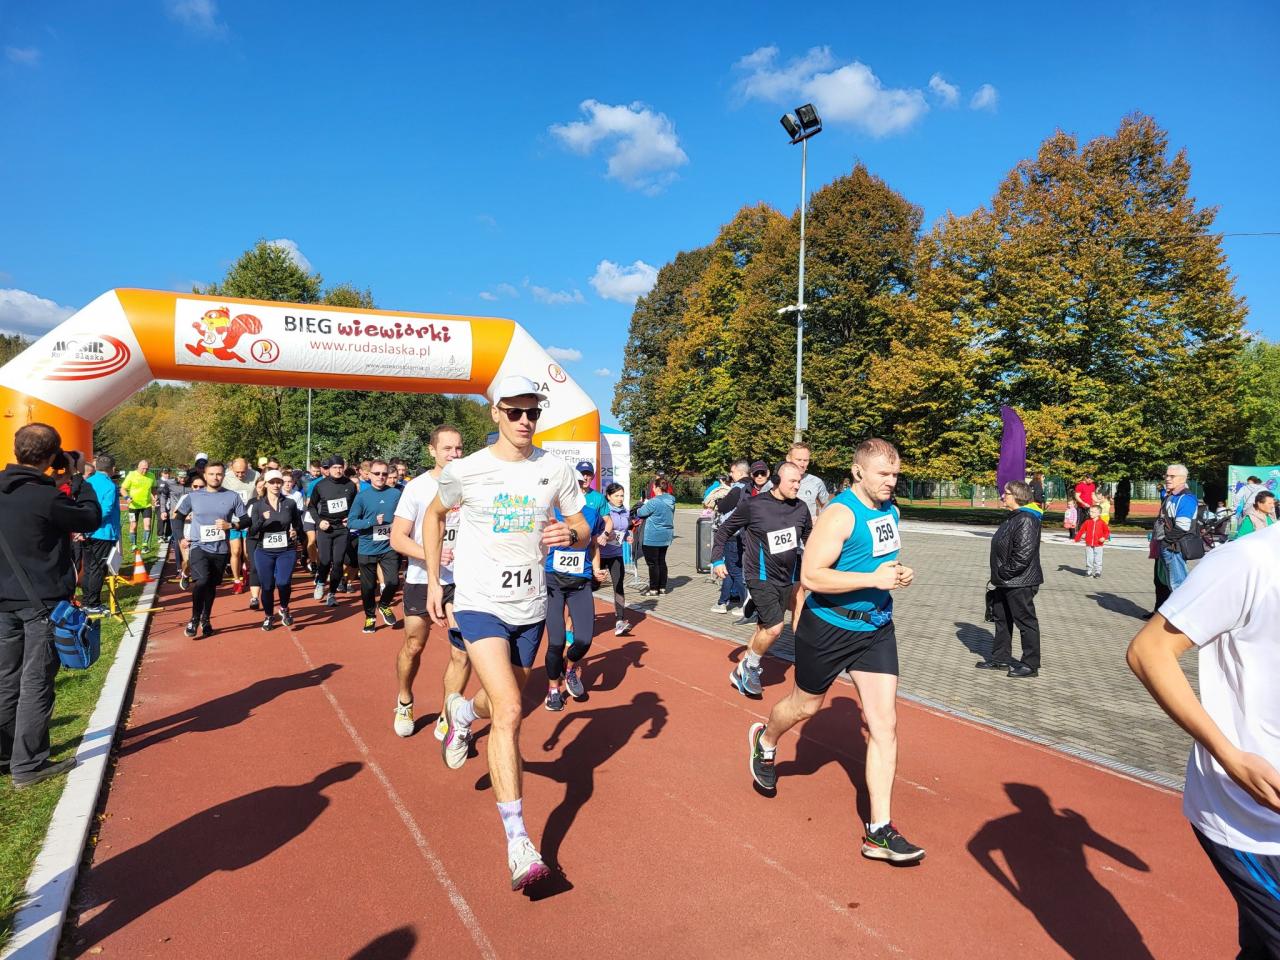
x=851, y=566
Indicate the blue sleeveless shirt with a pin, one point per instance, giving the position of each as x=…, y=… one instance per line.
x=874, y=540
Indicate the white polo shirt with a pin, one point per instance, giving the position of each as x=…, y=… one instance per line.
x=1229, y=606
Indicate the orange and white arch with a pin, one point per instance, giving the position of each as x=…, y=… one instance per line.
x=122, y=341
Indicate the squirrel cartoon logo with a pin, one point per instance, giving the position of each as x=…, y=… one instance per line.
x=219, y=333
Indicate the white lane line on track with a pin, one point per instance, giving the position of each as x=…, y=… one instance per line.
x=460, y=905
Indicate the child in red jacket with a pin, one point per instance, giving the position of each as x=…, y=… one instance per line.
x=1094, y=532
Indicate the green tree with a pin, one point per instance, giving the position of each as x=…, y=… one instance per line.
x=1260, y=402
x=655, y=322
x=12, y=344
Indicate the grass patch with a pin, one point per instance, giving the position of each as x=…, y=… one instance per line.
x=25, y=814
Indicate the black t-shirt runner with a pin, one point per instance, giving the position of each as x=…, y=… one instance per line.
x=772, y=532
x=331, y=500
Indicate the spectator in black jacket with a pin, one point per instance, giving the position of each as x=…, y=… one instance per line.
x=1015, y=577
x=37, y=521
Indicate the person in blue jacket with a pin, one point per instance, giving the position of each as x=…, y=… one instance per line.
x=370, y=517
x=99, y=544
x=659, y=515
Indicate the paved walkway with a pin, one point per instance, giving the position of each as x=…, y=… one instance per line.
x=1085, y=697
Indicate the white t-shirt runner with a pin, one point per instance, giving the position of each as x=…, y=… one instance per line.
x=1229, y=607
x=498, y=559
x=414, y=500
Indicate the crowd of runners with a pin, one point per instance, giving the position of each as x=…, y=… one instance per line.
x=502, y=551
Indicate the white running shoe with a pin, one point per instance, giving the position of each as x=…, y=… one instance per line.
x=719, y=608
x=525, y=863
x=404, y=719
x=442, y=726
x=573, y=680
x=318, y=592
x=621, y=628
x=456, y=742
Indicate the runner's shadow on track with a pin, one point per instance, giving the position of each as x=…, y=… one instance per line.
x=1121, y=605
x=1066, y=568
x=396, y=945
x=1043, y=851
x=606, y=671
x=838, y=722
x=226, y=837
x=978, y=640
x=224, y=711
x=605, y=732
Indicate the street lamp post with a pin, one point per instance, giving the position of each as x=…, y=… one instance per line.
x=800, y=126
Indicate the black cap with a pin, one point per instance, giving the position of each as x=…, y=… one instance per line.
x=334, y=462
x=758, y=466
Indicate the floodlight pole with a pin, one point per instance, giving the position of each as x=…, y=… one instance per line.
x=308, y=465
x=804, y=197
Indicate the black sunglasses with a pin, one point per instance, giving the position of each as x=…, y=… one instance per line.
x=761, y=473
x=515, y=413
x=377, y=473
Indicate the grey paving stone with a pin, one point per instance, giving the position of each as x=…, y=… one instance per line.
x=1085, y=699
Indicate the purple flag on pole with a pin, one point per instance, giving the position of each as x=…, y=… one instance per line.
x=1013, y=449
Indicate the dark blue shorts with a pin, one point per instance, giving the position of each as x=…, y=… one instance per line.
x=523, y=639
x=1254, y=881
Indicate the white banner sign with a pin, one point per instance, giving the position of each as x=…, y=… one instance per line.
x=320, y=340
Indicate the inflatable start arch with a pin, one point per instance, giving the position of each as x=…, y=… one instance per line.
x=125, y=339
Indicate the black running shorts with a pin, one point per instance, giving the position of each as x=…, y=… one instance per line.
x=824, y=651
x=415, y=599
x=771, y=600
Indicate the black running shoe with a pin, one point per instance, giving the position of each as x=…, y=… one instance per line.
x=888, y=844
x=206, y=628
x=267, y=624
x=286, y=617
x=190, y=629
x=253, y=603
x=762, y=769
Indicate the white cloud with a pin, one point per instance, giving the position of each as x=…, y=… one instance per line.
x=985, y=99
x=291, y=248
x=564, y=354
x=644, y=150
x=487, y=220
x=507, y=290
x=200, y=16
x=948, y=93
x=486, y=295
x=624, y=284
x=25, y=313
x=27, y=56
x=604, y=372
x=850, y=94
x=556, y=297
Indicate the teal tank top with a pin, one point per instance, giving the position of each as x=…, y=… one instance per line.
x=873, y=541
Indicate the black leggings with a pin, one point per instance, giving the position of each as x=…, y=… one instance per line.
x=334, y=548
x=617, y=573
x=251, y=547
x=207, y=570
x=656, y=559
x=582, y=609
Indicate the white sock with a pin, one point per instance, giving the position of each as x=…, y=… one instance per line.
x=466, y=714
x=512, y=814
x=873, y=827
x=752, y=659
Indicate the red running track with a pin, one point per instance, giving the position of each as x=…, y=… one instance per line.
x=263, y=807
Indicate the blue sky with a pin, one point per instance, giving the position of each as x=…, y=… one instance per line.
x=541, y=161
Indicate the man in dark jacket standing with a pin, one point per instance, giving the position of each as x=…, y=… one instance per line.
x=36, y=521
x=1016, y=576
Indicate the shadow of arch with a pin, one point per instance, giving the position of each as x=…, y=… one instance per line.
x=396, y=944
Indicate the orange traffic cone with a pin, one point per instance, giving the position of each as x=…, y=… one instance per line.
x=139, y=569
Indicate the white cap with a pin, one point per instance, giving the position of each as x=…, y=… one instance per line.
x=201, y=456
x=515, y=387
x=273, y=475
